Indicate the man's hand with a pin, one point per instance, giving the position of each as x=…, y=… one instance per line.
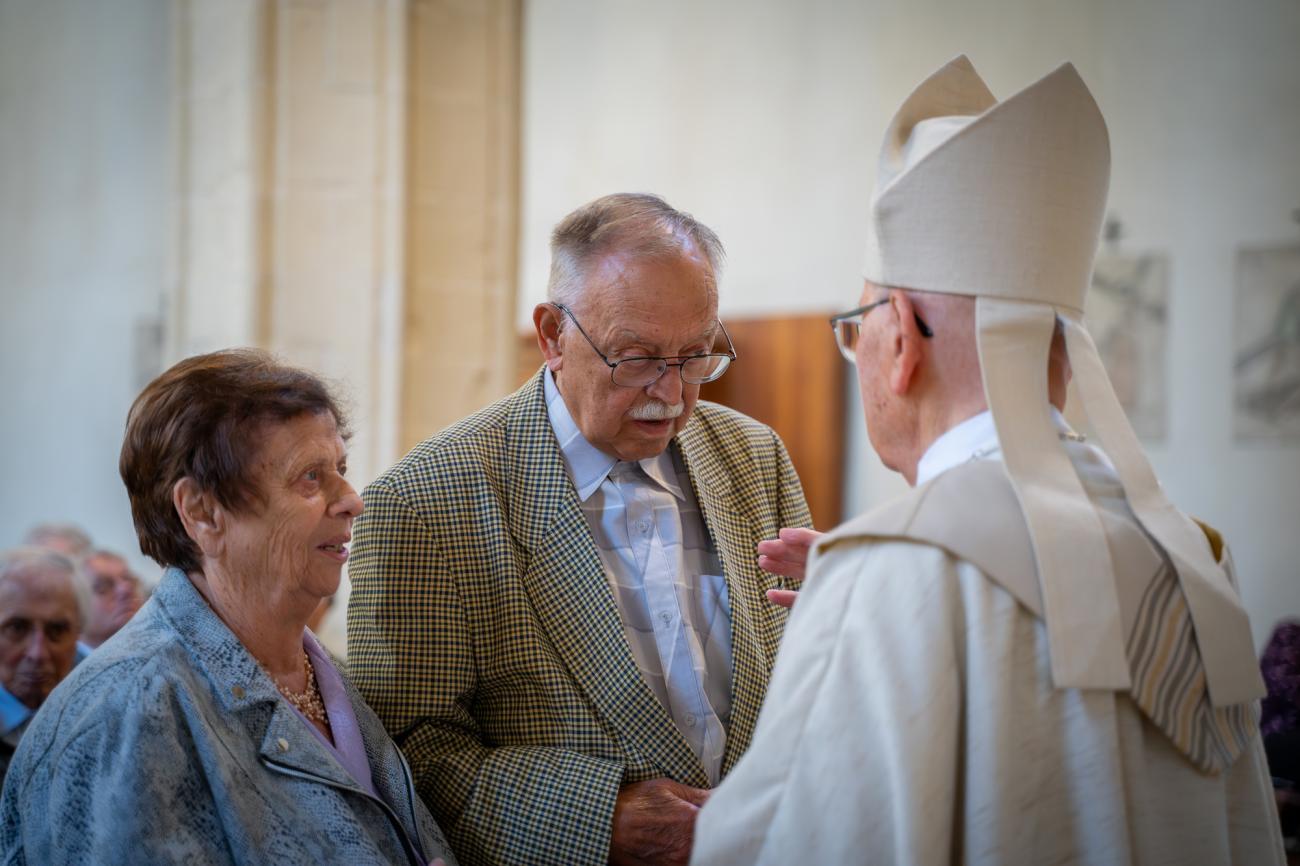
x=786, y=555
x=654, y=822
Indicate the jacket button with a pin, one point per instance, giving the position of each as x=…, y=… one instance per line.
x=238, y=692
x=283, y=744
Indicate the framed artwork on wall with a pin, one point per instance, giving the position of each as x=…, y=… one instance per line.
x=1266, y=360
x=1127, y=315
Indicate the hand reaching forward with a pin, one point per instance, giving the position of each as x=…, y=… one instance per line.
x=787, y=555
x=654, y=822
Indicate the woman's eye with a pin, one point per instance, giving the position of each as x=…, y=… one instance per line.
x=312, y=475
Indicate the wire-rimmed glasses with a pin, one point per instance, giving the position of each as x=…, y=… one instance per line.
x=643, y=371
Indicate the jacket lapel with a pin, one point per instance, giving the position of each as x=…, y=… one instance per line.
x=288, y=744
x=735, y=533
x=566, y=583
x=242, y=689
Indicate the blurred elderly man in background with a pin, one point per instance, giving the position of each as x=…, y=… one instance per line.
x=115, y=595
x=1033, y=657
x=40, y=619
x=557, y=607
x=66, y=538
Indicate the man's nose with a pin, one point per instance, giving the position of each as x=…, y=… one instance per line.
x=38, y=646
x=668, y=387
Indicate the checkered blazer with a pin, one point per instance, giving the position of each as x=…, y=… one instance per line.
x=484, y=633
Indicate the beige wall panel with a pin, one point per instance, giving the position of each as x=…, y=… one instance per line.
x=458, y=162
x=463, y=127
x=332, y=265
x=220, y=89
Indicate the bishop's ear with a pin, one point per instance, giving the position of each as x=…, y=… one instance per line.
x=546, y=320
x=906, y=342
x=201, y=515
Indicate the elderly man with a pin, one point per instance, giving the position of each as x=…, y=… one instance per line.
x=115, y=596
x=1032, y=657
x=557, y=607
x=40, y=618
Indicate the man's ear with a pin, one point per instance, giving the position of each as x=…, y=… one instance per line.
x=546, y=321
x=905, y=343
x=202, y=516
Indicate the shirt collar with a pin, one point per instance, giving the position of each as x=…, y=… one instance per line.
x=662, y=469
x=972, y=439
x=586, y=464
x=13, y=712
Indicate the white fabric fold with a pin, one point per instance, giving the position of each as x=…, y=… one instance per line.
x=1081, y=606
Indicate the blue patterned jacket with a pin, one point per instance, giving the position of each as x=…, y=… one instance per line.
x=171, y=745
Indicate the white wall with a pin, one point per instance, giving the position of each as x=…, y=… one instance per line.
x=85, y=198
x=763, y=118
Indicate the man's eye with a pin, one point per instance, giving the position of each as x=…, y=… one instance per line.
x=57, y=631
x=15, y=630
x=312, y=475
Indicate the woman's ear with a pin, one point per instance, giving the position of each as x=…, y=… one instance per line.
x=202, y=516
x=905, y=342
x=546, y=320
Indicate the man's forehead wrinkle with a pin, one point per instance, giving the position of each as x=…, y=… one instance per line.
x=624, y=336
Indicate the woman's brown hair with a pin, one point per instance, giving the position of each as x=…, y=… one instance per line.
x=200, y=420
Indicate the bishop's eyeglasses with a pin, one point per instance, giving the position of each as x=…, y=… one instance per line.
x=848, y=327
x=643, y=371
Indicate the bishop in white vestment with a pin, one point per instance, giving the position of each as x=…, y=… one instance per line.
x=1033, y=657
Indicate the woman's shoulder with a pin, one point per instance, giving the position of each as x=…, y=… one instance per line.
x=144, y=672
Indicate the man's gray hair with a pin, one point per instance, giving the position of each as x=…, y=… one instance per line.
x=65, y=535
x=638, y=224
x=48, y=563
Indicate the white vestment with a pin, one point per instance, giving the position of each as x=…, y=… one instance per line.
x=911, y=719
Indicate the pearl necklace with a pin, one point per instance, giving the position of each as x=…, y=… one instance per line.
x=309, y=701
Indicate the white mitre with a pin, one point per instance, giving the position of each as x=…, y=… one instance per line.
x=1004, y=201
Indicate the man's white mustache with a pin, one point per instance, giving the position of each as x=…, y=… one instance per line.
x=657, y=410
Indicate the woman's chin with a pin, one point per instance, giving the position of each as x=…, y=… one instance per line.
x=324, y=579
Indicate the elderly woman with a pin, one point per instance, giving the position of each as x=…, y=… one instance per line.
x=214, y=728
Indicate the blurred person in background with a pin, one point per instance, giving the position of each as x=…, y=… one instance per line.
x=40, y=618
x=213, y=728
x=115, y=596
x=66, y=538
x=1279, y=722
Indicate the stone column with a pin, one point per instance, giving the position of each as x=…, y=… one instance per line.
x=348, y=176
x=462, y=210
x=220, y=90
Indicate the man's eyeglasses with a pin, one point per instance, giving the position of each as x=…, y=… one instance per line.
x=641, y=372
x=848, y=326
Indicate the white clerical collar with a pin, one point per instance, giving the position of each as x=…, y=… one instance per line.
x=586, y=464
x=973, y=439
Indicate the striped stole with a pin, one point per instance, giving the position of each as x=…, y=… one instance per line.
x=1169, y=681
